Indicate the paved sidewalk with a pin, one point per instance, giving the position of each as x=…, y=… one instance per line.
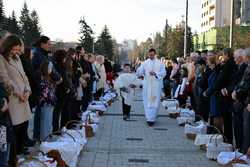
x=133, y=144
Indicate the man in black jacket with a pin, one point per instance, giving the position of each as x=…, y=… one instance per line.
x=238, y=104
x=87, y=71
x=40, y=55
x=242, y=93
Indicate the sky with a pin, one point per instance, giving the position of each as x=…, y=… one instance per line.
x=126, y=19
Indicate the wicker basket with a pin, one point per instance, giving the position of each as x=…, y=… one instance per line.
x=174, y=115
x=203, y=147
x=191, y=136
x=88, y=129
x=100, y=113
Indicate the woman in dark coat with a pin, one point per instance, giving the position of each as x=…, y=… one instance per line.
x=26, y=59
x=65, y=91
x=215, y=113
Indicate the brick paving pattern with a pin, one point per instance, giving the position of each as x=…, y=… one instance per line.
x=133, y=144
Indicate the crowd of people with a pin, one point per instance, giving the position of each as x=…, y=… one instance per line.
x=216, y=85
x=57, y=87
x=51, y=88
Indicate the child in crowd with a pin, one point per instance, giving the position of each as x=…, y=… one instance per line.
x=5, y=124
x=180, y=93
x=125, y=84
x=47, y=100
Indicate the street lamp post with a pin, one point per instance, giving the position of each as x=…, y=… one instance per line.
x=232, y=24
x=186, y=31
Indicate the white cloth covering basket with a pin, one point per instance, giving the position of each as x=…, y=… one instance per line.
x=69, y=150
x=170, y=103
x=97, y=107
x=94, y=117
x=204, y=139
x=200, y=128
x=39, y=161
x=184, y=112
x=213, y=150
x=78, y=134
x=185, y=120
x=240, y=165
x=225, y=158
x=68, y=146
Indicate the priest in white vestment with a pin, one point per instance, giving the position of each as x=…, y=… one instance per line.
x=153, y=71
x=125, y=85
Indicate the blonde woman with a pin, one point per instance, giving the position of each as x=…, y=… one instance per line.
x=102, y=75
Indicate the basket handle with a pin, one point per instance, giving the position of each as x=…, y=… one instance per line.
x=219, y=131
x=76, y=131
x=54, y=133
x=88, y=119
x=60, y=133
x=215, y=135
x=73, y=121
x=70, y=136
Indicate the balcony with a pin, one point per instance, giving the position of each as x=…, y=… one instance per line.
x=212, y=12
x=212, y=23
x=212, y=4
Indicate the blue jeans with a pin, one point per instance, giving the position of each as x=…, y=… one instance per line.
x=46, y=121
